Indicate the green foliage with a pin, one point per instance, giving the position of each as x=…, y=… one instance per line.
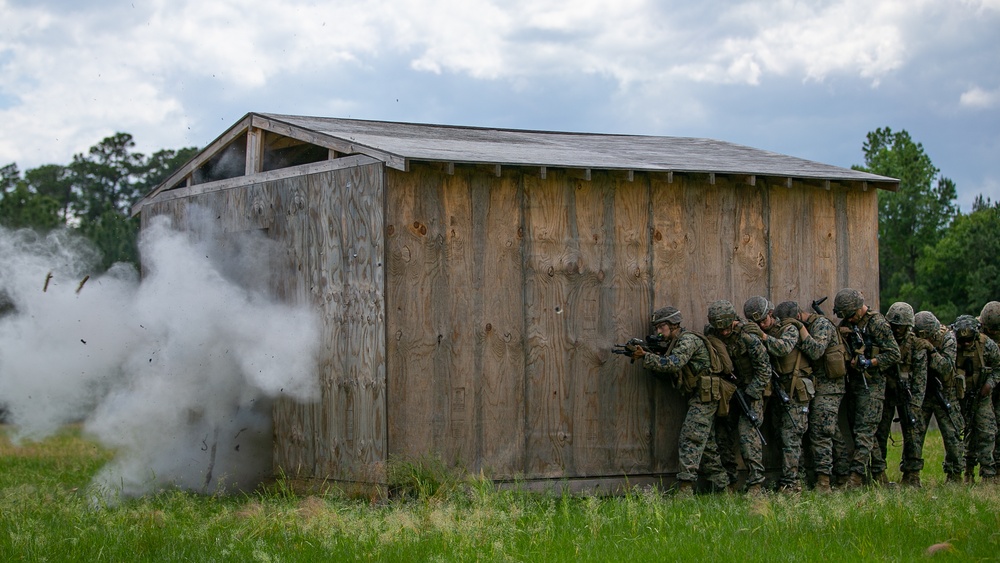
x=961, y=271
x=422, y=478
x=911, y=219
x=21, y=207
x=93, y=194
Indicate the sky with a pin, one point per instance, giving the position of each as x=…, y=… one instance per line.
x=804, y=78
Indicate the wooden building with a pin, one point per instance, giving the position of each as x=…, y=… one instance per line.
x=472, y=281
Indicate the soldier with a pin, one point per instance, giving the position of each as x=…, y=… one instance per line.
x=686, y=361
x=752, y=371
x=874, y=351
x=942, y=397
x=977, y=360
x=790, y=380
x=820, y=343
x=989, y=322
x=905, y=385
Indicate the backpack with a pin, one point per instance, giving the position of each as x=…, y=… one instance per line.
x=720, y=362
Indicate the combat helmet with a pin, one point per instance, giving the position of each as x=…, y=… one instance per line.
x=847, y=302
x=787, y=310
x=966, y=328
x=670, y=315
x=900, y=313
x=756, y=308
x=990, y=317
x=721, y=314
x=926, y=324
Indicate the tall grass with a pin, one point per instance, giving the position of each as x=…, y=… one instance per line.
x=47, y=513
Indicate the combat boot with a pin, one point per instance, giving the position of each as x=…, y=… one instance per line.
x=822, y=483
x=880, y=479
x=685, y=489
x=911, y=479
x=839, y=481
x=855, y=481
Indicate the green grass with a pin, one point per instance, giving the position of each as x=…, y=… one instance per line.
x=46, y=514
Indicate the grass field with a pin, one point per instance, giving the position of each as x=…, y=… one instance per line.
x=47, y=514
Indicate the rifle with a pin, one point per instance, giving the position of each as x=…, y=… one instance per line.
x=779, y=391
x=755, y=421
x=815, y=306
x=934, y=385
x=856, y=342
x=904, y=405
x=654, y=343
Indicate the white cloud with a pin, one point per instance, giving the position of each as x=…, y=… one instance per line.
x=977, y=98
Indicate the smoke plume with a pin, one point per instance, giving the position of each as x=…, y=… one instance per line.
x=176, y=373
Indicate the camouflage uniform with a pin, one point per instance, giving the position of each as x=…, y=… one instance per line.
x=792, y=419
x=979, y=365
x=697, y=445
x=753, y=370
x=911, y=372
x=989, y=319
x=941, y=400
x=866, y=387
x=824, y=411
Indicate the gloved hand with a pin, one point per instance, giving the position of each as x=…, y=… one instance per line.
x=638, y=352
x=986, y=390
x=863, y=363
x=754, y=329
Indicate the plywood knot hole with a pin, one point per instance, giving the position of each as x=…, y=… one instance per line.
x=552, y=271
x=657, y=235
x=390, y=230
x=489, y=327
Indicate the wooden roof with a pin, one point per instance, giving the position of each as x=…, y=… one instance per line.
x=397, y=144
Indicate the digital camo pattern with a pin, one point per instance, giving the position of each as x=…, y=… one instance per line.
x=867, y=390
x=697, y=443
x=980, y=420
x=793, y=418
x=906, y=384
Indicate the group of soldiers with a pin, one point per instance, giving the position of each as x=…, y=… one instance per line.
x=804, y=371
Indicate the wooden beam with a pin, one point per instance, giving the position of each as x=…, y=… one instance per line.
x=542, y=171
x=788, y=183
x=752, y=179
x=269, y=176
x=255, y=151
x=631, y=175
x=711, y=178
x=670, y=177
x=449, y=168
x=826, y=185
x=498, y=170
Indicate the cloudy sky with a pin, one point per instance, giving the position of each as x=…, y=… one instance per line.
x=807, y=78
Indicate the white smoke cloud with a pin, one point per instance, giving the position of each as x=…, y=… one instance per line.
x=176, y=373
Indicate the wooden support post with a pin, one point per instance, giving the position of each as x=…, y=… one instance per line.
x=752, y=180
x=449, y=168
x=542, y=172
x=826, y=185
x=670, y=177
x=498, y=170
x=788, y=183
x=255, y=151
x=711, y=178
x=631, y=175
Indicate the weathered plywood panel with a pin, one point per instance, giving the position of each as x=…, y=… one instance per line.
x=625, y=389
x=498, y=324
x=455, y=319
x=861, y=238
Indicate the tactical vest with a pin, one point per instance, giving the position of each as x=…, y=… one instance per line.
x=739, y=354
x=835, y=356
x=870, y=350
x=970, y=363
x=791, y=362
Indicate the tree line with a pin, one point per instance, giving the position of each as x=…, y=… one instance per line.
x=931, y=255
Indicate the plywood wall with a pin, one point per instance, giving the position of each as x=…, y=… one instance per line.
x=504, y=296
x=330, y=225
